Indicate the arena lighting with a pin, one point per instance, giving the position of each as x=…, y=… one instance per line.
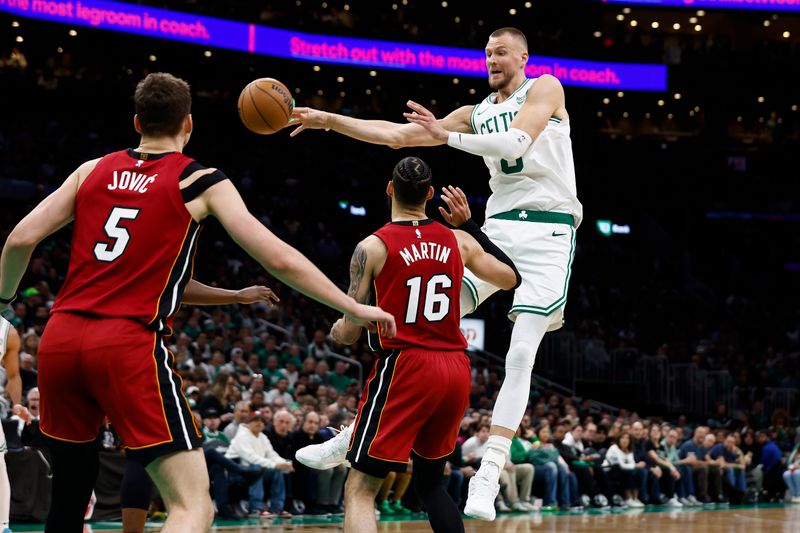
x=214, y=32
x=762, y=5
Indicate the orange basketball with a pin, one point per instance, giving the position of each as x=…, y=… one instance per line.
x=265, y=106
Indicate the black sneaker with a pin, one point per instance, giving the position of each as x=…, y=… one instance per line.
x=617, y=501
x=229, y=512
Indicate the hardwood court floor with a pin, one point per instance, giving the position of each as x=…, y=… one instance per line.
x=749, y=519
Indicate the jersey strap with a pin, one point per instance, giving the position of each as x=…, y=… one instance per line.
x=202, y=184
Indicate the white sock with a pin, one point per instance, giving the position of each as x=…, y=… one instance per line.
x=498, y=449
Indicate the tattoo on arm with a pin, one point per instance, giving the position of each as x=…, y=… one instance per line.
x=358, y=264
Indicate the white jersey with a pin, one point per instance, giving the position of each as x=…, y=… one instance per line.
x=543, y=179
x=5, y=328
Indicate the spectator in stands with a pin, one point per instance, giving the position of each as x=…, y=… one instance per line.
x=339, y=379
x=256, y=385
x=732, y=462
x=319, y=348
x=693, y=453
x=272, y=373
x=520, y=448
x=279, y=434
x=649, y=489
x=252, y=447
x=714, y=469
x=721, y=420
x=771, y=466
x=566, y=482
x=792, y=474
x=241, y=413
x=657, y=453
x=321, y=490
x=292, y=371
x=581, y=466
x=280, y=392
x=321, y=375
x=624, y=474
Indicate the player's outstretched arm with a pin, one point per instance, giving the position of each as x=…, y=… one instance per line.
x=395, y=135
x=222, y=200
x=545, y=99
x=52, y=214
x=14, y=385
x=368, y=258
x=198, y=294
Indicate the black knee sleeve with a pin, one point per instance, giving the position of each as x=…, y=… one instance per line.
x=137, y=487
x=75, y=467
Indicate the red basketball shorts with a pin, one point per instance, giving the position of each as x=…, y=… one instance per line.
x=94, y=367
x=414, y=400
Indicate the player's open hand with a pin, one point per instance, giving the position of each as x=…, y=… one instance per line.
x=425, y=118
x=308, y=118
x=374, y=318
x=256, y=293
x=457, y=204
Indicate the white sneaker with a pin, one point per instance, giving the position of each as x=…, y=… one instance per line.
x=796, y=499
x=634, y=503
x=528, y=506
x=483, y=489
x=501, y=506
x=329, y=454
x=694, y=501
x=673, y=502
x=519, y=507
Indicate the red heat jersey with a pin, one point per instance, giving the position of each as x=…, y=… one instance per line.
x=420, y=284
x=133, y=241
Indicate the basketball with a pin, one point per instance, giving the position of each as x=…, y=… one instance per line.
x=265, y=106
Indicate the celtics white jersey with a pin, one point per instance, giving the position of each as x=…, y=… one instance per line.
x=5, y=327
x=543, y=179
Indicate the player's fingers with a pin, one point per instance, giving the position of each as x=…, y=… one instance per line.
x=297, y=130
x=298, y=112
x=447, y=216
x=422, y=110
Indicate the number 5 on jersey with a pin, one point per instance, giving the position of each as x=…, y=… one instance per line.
x=117, y=233
x=436, y=305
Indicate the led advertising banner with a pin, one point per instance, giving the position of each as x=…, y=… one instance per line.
x=252, y=38
x=765, y=5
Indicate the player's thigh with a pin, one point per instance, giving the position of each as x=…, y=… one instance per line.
x=437, y=436
x=135, y=384
x=397, y=403
x=68, y=410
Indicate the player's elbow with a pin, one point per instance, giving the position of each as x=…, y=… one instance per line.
x=22, y=237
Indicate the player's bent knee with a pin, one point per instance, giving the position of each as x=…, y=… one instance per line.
x=521, y=355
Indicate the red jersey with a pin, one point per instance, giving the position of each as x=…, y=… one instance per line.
x=133, y=242
x=420, y=284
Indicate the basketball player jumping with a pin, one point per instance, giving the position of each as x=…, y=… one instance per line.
x=415, y=266
x=137, y=214
x=522, y=132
